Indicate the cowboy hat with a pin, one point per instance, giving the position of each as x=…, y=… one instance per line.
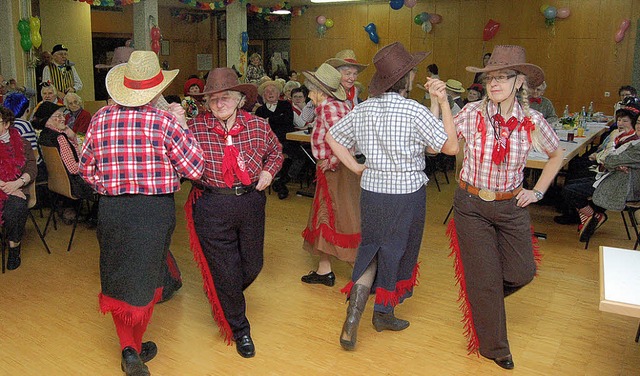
x=512, y=57
x=327, y=79
x=223, y=79
x=455, y=86
x=269, y=82
x=191, y=82
x=138, y=81
x=120, y=55
x=392, y=63
x=346, y=57
x=44, y=112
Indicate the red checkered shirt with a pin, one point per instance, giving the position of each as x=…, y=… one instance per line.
x=257, y=145
x=478, y=168
x=140, y=150
x=327, y=114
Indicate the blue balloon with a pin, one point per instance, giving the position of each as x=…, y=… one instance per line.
x=550, y=13
x=396, y=4
x=424, y=16
x=370, y=28
x=245, y=41
x=373, y=33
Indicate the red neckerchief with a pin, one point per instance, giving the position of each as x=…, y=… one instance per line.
x=296, y=110
x=351, y=95
x=535, y=100
x=501, y=146
x=623, y=138
x=11, y=161
x=232, y=163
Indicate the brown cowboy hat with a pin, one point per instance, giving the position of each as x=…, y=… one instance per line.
x=327, y=79
x=346, y=57
x=223, y=79
x=512, y=57
x=392, y=63
x=138, y=81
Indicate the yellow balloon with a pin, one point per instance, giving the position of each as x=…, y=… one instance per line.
x=329, y=23
x=543, y=8
x=36, y=39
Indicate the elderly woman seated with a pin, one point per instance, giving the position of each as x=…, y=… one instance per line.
x=17, y=170
x=543, y=105
x=57, y=134
x=77, y=118
x=618, y=180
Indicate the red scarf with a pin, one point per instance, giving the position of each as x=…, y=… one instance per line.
x=501, y=146
x=535, y=100
x=232, y=163
x=623, y=138
x=351, y=95
x=11, y=162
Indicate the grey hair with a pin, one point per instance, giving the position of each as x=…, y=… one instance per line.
x=542, y=86
x=70, y=96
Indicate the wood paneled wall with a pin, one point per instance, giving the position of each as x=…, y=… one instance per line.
x=579, y=56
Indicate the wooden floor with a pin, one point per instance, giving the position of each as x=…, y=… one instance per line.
x=51, y=324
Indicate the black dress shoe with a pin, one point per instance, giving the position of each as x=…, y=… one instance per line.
x=149, y=351
x=328, y=279
x=131, y=363
x=505, y=362
x=245, y=346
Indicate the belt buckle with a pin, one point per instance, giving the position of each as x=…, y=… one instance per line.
x=487, y=195
x=240, y=191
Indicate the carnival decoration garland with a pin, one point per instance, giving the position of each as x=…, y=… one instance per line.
x=109, y=3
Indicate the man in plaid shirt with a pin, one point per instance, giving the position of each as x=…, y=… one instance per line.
x=225, y=210
x=134, y=156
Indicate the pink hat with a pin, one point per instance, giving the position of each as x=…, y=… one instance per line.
x=120, y=55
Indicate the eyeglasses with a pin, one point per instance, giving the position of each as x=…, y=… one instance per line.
x=57, y=115
x=501, y=79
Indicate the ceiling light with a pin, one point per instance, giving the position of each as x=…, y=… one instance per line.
x=331, y=1
x=281, y=11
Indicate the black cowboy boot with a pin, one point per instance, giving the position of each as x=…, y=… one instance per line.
x=357, y=302
x=13, y=262
x=388, y=321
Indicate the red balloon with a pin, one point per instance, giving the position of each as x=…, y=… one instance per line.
x=625, y=24
x=155, y=33
x=435, y=18
x=619, y=36
x=490, y=30
x=155, y=46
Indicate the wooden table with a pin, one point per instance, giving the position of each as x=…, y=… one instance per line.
x=537, y=160
x=302, y=137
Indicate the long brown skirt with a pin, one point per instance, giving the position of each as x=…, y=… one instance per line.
x=333, y=227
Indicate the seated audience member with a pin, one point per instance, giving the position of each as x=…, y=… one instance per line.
x=193, y=87
x=624, y=92
x=76, y=118
x=280, y=116
x=475, y=92
x=432, y=71
x=57, y=134
x=298, y=101
x=49, y=94
x=278, y=67
x=287, y=89
x=293, y=76
x=17, y=171
x=454, y=89
x=255, y=69
x=15, y=88
x=617, y=181
x=543, y=105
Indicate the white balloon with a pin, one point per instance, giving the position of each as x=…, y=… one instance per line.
x=427, y=26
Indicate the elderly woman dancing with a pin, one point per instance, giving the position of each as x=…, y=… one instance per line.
x=491, y=231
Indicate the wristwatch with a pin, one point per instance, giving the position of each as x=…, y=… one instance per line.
x=539, y=195
x=24, y=182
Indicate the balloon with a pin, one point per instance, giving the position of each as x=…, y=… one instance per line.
x=418, y=20
x=410, y=3
x=563, y=13
x=490, y=30
x=329, y=23
x=245, y=41
x=373, y=33
x=625, y=24
x=36, y=38
x=321, y=20
x=619, y=36
x=424, y=16
x=25, y=38
x=550, y=13
x=396, y=4
x=155, y=46
x=23, y=27
x=322, y=29
x=155, y=33
x=543, y=8
x=426, y=27
x=435, y=18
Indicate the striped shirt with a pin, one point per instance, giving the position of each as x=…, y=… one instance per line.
x=28, y=133
x=478, y=168
x=393, y=132
x=140, y=150
x=61, y=77
x=327, y=114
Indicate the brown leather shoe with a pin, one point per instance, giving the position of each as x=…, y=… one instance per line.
x=357, y=302
x=387, y=321
x=131, y=363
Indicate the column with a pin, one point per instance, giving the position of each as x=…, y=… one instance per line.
x=144, y=14
x=236, y=24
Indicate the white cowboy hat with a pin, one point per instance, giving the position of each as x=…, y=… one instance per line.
x=327, y=79
x=138, y=81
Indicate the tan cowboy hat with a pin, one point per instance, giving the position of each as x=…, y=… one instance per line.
x=455, y=86
x=269, y=82
x=512, y=57
x=120, y=56
x=346, y=57
x=327, y=79
x=138, y=81
x=392, y=63
x=223, y=79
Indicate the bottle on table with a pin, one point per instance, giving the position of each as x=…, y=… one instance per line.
x=565, y=114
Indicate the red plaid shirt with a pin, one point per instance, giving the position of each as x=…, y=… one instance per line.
x=257, y=145
x=140, y=150
x=478, y=168
x=327, y=114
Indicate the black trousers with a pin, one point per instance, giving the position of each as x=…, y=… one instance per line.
x=231, y=233
x=14, y=216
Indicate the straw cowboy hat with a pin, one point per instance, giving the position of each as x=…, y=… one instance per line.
x=455, y=86
x=120, y=56
x=392, y=62
x=223, y=79
x=512, y=57
x=139, y=80
x=269, y=82
x=346, y=57
x=327, y=79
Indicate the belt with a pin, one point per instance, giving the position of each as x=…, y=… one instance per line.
x=233, y=191
x=488, y=195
